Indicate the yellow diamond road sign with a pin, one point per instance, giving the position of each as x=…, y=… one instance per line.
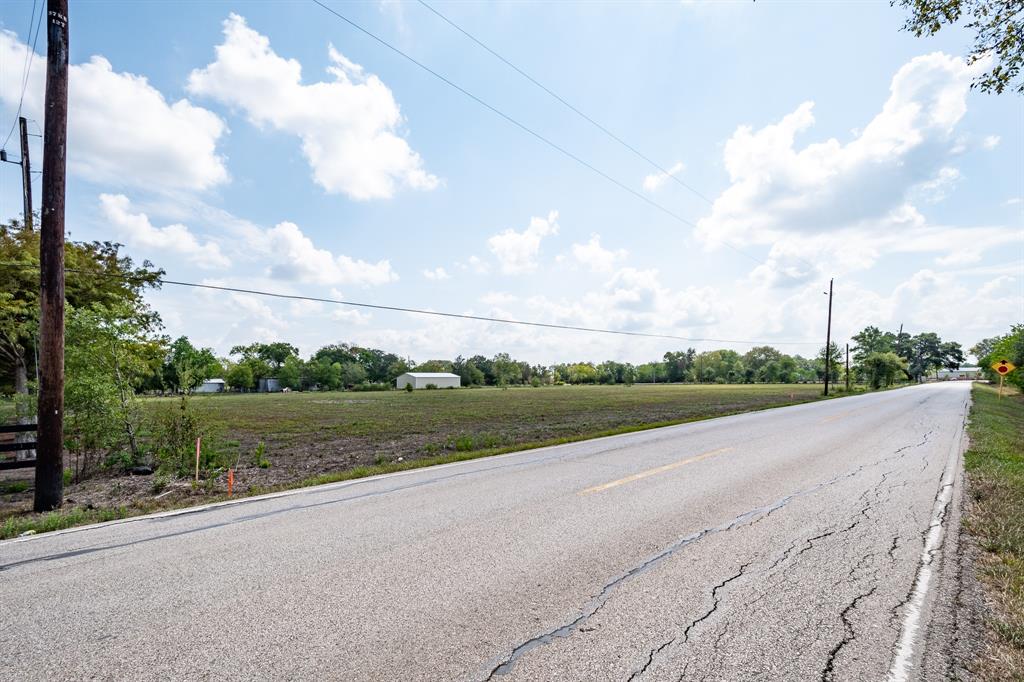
x=1003, y=367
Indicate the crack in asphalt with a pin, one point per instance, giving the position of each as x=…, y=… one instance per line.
x=504, y=666
x=714, y=607
x=893, y=548
x=715, y=601
x=650, y=659
x=929, y=557
x=829, y=671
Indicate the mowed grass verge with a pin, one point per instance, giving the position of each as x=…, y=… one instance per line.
x=314, y=438
x=995, y=468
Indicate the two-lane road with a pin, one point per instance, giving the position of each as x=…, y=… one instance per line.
x=808, y=542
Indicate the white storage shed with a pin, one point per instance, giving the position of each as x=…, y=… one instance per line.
x=211, y=386
x=424, y=379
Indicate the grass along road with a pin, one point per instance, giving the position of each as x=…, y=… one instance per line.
x=311, y=438
x=995, y=469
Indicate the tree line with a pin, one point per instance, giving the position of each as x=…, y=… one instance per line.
x=878, y=358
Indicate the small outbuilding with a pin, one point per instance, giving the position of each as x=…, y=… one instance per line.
x=268, y=385
x=211, y=386
x=425, y=379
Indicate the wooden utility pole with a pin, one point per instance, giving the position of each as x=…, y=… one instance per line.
x=49, y=493
x=26, y=174
x=847, y=368
x=828, y=337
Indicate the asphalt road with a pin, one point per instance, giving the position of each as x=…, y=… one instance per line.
x=810, y=542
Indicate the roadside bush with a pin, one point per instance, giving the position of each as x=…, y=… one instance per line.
x=431, y=387
x=469, y=443
x=160, y=481
x=259, y=456
x=408, y=388
x=371, y=386
x=174, y=431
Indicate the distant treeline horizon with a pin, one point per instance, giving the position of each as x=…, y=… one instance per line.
x=878, y=357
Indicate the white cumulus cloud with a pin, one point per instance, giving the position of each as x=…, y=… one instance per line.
x=349, y=126
x=136, y=230
x=595, y=256
x=295, y=257
x=437, y=273
x=777, y=189
x=517, y=251
x=991, y=141
x=121, y=130
x=655, y=181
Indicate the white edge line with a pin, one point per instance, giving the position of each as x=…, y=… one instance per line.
x=419, y=470
x=902, y=661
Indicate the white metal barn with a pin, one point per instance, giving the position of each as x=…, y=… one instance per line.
x=424, y=379
x=211, y=386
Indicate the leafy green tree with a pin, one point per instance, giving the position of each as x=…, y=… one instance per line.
x=952, y=355
x=883, y=368
x=338, y=352
x=998, y=28
x=378, y=364
x=98, y=273
x=468, y=372
x=582, y=373
x=273, y=354
x=324, y=373
x=1008, y=347
x=240, y=376
x=506, y=370
x=984, y=347
x=291, y=373
x=678, y=364
x=871, y=340
x=186, y=367
x=395, y=369
x=108, y=353
x=353, y=374
x=756, y=360
x=926, y=355
x=434, y=366
x=835, y=359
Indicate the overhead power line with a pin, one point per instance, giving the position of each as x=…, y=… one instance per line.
x=27, y=65
x=667, y=211
x=417, y=311
x=654, y=164
x=588, y=119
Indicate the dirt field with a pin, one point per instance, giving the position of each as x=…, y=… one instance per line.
x=318, y=437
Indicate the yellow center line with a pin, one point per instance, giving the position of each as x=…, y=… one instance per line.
x=652, y=472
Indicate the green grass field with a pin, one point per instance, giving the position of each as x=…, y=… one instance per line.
x=434, y=419
x=292, y=439
x=995, y=469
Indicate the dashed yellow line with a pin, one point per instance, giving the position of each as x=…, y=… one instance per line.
x=652, y=472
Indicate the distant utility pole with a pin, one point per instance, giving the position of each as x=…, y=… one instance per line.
x=847, y=368
x=49, y=492
x=26, y=173
x=828, y=337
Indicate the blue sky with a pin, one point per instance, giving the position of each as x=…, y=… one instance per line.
x=271, y=146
